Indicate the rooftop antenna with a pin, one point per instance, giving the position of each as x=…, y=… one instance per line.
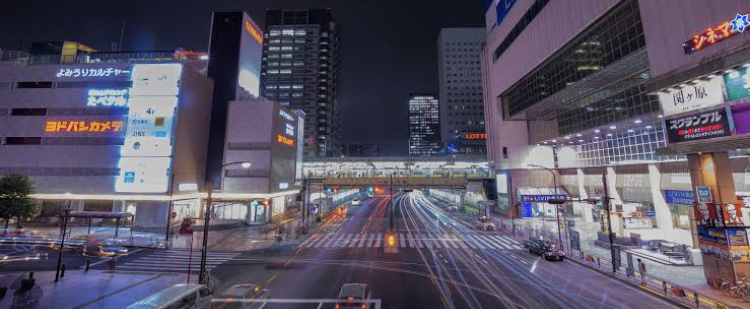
x=122, y=33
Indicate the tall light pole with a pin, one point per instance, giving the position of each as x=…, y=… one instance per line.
x=202, y=278
x=555, y=201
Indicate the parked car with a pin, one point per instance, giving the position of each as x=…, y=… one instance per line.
x=485, y=224
x=544, y=249
x=356, y=201
x=352, y=296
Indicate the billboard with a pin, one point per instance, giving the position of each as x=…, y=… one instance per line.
x=699, y=126
x=692, y=97
x=251, y=51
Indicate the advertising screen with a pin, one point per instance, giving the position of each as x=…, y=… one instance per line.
x=143, y=175
x=705, y=125
x=251, y=51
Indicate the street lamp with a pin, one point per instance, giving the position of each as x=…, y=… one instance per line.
x=202, y=278
x=555, y=201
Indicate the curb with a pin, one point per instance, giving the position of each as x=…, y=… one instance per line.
x=630, y=285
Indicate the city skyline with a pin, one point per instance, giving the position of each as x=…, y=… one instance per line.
x=399, y=54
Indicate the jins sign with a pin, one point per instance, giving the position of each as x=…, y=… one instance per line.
x=717, y=34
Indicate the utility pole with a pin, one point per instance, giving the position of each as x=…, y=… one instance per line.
x=202, y=278
x=605, y=201
x=66, y=215
x=390, y=212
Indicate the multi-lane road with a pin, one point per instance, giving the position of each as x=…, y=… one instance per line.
x=443, y=262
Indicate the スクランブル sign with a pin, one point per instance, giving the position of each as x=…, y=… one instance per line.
x=705, y=125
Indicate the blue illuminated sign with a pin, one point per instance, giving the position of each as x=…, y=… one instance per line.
x=542, y=198
x=107, y=97
x=503, y=8
x=679, y=197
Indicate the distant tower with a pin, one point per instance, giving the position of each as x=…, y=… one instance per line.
x=424, y=125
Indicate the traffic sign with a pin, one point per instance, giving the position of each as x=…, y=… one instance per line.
x=703, y=195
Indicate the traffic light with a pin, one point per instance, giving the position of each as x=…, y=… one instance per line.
x=391, y=242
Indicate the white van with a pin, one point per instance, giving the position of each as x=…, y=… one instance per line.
x=179, y=296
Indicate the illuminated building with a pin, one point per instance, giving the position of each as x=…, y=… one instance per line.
x=301, y=70
x=460, y=74
x=630, y=92
x=424, y=125
x=268, y=136
x=106, y=136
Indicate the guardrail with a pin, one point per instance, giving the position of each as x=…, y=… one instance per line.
x=649, y=283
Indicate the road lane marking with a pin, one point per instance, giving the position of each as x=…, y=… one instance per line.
x=353, y=241
x=419, y=242
x=460, y=242
x=322, y=240
x=370, y=240
x=402, y=240
x=495, y=244
x=508, y=243
x=468, y=241
x=412, y=243
x=380, y=239
x=346, y=240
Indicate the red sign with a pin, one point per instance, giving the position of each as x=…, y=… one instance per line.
x=716, y=34
x=474, y=136
x=719, y=215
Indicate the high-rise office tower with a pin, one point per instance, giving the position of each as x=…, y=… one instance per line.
x=424, y=125
x=301, y=70
x=461, y=108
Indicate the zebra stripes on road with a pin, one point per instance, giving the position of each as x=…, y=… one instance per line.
x=412, y=240
x=175, y=260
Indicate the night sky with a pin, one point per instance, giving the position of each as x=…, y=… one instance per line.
x=389, y=46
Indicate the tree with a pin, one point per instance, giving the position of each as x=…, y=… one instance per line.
x=15, y=200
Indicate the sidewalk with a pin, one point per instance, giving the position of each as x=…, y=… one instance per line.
x=93, y=289
x=686, y=276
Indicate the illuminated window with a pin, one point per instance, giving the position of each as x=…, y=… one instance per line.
x=272, y=87
x=299, y=41
x=296, y=95
x=299, y=63
x=298, y=86
x=286, y=48
x=300, y=32
x=275, y=41
x=273, y=56
x=284, y=87
x=273, y=64
x=287, y=32
x=275, y=32
x=286, y=56
x=285, y=71
x=273, y=71
x=286, y=64
x=273, y=48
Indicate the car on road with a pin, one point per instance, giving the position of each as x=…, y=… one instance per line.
x=353, y=295
x=452, y=208
x=544, y=249
x=20, y=253
x=242, y=291
x=103, y=250
x=485, y=224
x=356, y=201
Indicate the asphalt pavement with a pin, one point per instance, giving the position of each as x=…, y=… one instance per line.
x=442, y=262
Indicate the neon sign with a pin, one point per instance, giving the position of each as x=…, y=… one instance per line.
x=83, y=126
x=717, y=34
x=474, y=136
x=107, y=97
x=84, y=72
x=285, y=140
x=253, y=32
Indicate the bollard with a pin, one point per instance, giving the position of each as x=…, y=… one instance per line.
x=598, y=262
x=87, y=264
x=664, y=285
x=62, y=271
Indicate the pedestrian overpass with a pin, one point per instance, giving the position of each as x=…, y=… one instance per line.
x=401, y=172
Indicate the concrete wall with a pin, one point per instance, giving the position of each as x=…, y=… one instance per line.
x=191, y=129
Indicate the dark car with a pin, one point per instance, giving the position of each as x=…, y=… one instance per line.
x=544, y=249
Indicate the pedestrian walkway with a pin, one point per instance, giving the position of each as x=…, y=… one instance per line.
x=175, y=260
x=412, y=240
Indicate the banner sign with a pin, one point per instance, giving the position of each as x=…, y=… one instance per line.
x=680, y=197
x=692, y=97
x=719, y=215
x=698, y=126
x=741, y=117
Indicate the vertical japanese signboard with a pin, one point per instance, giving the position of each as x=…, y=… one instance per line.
x=146, y=155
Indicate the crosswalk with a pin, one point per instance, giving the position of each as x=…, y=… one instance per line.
x=412, y=240
x=175, y=260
